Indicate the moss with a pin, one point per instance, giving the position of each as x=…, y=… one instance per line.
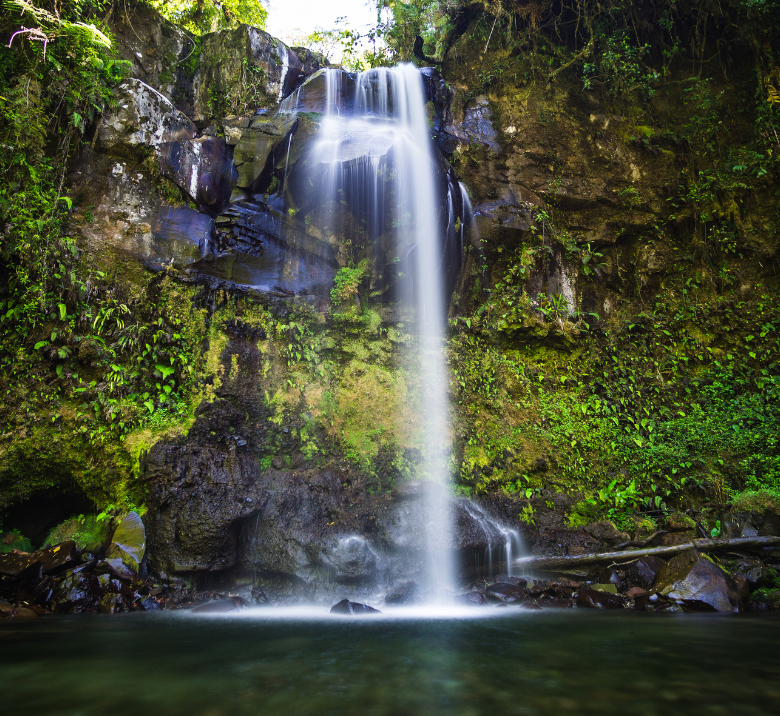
x=760, y=501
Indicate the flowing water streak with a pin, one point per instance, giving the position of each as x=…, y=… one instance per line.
x=383, y=131
x=503, y=544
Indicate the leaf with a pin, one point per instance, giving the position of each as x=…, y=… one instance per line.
x=40, y=344
x=63, y=311
x=165, y=370
x=68, y=201
x=150, y=405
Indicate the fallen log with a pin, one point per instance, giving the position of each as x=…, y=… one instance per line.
x=703, y=545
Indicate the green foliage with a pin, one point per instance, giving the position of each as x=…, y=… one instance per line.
x=347, y=42
x=347, y=281
x=15, y=541
x=618, y=67
x=202, y=16
x=88, y=531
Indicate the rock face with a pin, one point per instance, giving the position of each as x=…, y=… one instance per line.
x=265, y=67
x=697, y=584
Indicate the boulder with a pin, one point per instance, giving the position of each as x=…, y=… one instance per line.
x=202, y=167
x=219, y=606
x=143, y=119
x=128, y=545
x=595, y=598
x=644, y=572
x=694, y=582
x=606, y=532
x=505, y=593
x=160, y=53
x=352, y=608
x=50, y=560
x=471, y=599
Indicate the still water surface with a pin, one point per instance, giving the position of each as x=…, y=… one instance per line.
x=300, y=663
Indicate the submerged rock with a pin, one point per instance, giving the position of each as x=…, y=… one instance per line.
x=347, y=607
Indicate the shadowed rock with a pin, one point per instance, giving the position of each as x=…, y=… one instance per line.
x=505, y=593
x=347, y=607
x=471, y=599
x=221, y=606
x=696, y=583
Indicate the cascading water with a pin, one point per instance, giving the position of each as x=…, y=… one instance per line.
x=503, y=544
x=379, y=160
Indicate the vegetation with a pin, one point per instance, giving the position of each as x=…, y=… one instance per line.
x=202, y=16
x=669, y=402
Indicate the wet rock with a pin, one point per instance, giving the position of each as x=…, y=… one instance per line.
x=221, y=606
x=635, y=592
x=548, y=601
x=644, y=572
x=347, y=607
x=610, y=575
x=128, y=545
x=50, y=560
x=181, y=234
x=750, y=524
x=111, y=604
x=597, y=599
x=354, y=561
x=696, y=583
x=477, y=125
x=202, y=167
x=505, y=593
x=405, y=593
x=78, y=593
x=471, y=599
x=151, y=604
x=143, y=118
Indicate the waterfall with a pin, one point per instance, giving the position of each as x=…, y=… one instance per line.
x=379, y=159
x=503, y=544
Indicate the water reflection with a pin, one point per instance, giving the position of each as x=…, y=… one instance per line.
x=519, y=663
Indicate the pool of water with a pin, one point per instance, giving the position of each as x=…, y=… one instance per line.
x=298, y=662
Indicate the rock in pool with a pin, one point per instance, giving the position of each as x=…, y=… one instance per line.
x=347, y=607
x=505, y=593
x=221, y=606
x=471, y=599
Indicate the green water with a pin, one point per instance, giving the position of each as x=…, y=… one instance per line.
x=517, y=663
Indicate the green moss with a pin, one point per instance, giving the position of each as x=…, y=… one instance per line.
x=760, y=501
